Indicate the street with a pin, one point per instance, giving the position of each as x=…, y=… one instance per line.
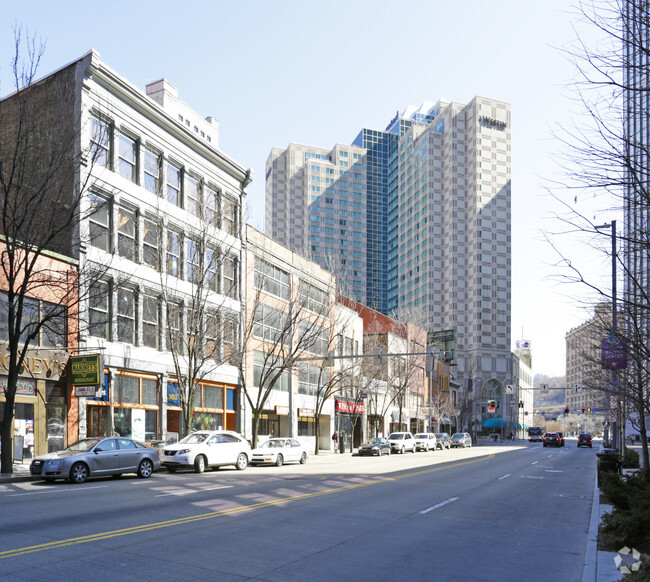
x=484, y=513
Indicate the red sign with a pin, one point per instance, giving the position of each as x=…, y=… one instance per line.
x=349, y=407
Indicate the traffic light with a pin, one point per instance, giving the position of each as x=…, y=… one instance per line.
x=583, y=410
x=491, y=405
x=566, y=410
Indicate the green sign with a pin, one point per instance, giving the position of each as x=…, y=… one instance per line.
x=86, y=370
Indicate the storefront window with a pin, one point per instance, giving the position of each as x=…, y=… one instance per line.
x=136, y=423
x=100, y=422
x=55, y=417
x=207, y=421
x=306, y=427
x=24, y=427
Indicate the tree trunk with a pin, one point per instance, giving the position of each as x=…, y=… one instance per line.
x=6, y=462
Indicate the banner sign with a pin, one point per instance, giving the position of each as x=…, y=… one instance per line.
x=349, y=407
x=23, y=387
x=613, y=356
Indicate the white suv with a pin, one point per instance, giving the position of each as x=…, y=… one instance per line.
x=425, y=441
x=401, y=441
x=207, y=448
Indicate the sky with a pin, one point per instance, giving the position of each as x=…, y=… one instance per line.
x=315, y=73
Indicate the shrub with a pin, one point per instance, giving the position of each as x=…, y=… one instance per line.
x=630, y=459
x=629, y=522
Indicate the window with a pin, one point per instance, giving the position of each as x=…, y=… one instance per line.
x=230, y=277
x=173, y=253
x=230, y=337
x=271, y=279
x=211, y=206
x=151, y=243
x=212, y=336
x=134, y=390
x=151, y=321
x=174, y=185
x=269, y=324
x=126, y=315
x=126, y=162
x=152, y=172
x=192, y=195
x=313, y=298
x=263, y=364
x=174, y=327
x=229, y=223
x=100, y=140
x=192, y=260
x=99, y=227
x=211, y=270
x=99, y=310
x=309, y=377
x=126, y=243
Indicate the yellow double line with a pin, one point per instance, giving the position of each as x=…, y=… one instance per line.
x=212, y=515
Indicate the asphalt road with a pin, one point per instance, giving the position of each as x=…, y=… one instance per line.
x=485, y=513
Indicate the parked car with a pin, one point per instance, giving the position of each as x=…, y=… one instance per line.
x=278, y=451
x=378, y=446
x=461, y=439
x=443, y=440
x=586, y=440
x=561, y=435
x=425, y=441
x=401, y=441
x=96, y=457
x=553, y=439
x=207, y=448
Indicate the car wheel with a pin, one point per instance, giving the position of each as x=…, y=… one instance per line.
x=242, y=462
x=145, y=469
x=303, y=458
x=401, y=452
x=199, y=464
x=171, y=469
x=78, y=473
x=279, y=461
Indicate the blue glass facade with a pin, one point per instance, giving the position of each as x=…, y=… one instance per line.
x=381, y=216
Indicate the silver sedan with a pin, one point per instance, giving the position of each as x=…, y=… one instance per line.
x=95, y=457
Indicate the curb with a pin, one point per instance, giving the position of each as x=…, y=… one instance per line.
x=590, y=569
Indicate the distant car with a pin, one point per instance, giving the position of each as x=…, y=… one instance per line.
x=96, y=457
x=553, y=439
x=461, y=439
x=561, y=435
x=585, y=440
x=425, y=441
x=443, y=440
x=278, y=451
x=401, y=442
x=377, y=446
x=207, y=448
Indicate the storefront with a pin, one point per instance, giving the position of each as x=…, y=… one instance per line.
x=348, y=422
x=215, y=408
x=43, y=409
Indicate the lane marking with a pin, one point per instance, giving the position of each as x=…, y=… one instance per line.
x=534, y=462
x=73, y=488
x=552, y=471
x=531, y=477
x=438, y=505
x=214, y=514
x=501, y=478
x=190, y=491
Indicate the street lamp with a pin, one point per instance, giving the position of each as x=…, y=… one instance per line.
x=612, y=225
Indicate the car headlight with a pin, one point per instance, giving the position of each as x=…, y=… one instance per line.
x=54, y=464
x=183, y=451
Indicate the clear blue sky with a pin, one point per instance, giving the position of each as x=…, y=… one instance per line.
x=315, y=73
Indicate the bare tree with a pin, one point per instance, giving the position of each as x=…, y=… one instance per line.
x=44, y=175
x=607, y=166
x=200, y=297
x=284, y=325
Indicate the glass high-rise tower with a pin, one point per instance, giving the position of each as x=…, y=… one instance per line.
x=432, y=225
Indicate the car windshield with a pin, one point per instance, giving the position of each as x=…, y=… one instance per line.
x=195, y=438
x=396, y=436
x=440, y=435
x=272, y=445
x=377, y=441
x=83, y=445
x=458, y=435
x=421, y=436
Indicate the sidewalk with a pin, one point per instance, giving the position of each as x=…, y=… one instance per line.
x=21, y=473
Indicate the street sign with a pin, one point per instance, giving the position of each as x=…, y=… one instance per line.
x=612, y=402
x=612, y=415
